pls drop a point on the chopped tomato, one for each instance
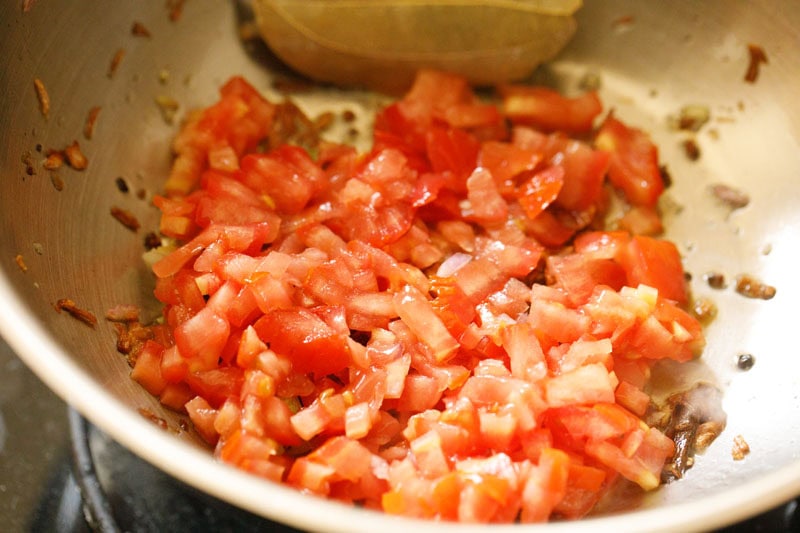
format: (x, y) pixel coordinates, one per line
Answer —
(656, 263)
(305, 338)
(550, 111)
(634, 162)
(541, 190)
(439, 327)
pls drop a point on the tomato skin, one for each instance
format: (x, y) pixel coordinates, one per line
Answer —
(549, 110)
(633, 164)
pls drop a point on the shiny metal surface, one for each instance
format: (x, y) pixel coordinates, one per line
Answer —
(650, 61)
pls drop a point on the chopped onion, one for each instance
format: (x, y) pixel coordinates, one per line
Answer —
(453, 264)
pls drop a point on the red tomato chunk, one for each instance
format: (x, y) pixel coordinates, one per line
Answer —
(429, 328)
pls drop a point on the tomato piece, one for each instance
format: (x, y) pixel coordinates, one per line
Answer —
(147, 369)
(230, 211)
(602, 244)
(436, 91)
(686, 329)
(552, 321)
(584, 174)
(506, 161)
(305, 338)
(588, 384)
(454, 151)
(202, 338)
(656, 263)
(536, 194)
(175, 396)
(545, 486)
(549, 230)
(632, 397)
(549, 110)
(202, 416)
(633, 164)
(416, 311)
(525, 354)
(216, 385)
(578, 275)
(631, 468)
(486, 205)
(642, 220)
(349, 459)
(286, 179)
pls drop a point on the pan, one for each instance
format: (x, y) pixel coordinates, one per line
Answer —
(138, 69)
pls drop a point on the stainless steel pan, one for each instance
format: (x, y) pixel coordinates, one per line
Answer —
(651, 58)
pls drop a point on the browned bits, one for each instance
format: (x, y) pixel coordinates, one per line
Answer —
(704, 309)
(623, 22)
(748, 286)
(57, 181)
(757, 56)
(688, 412)
(131, 336)
(123, 313)
(27, 5)
(715, 280)
(126, 218)
(44, 98)
(740, 448)
(65, 304)
(175, 9)
(75, 157)
(745, 361)
(692, 117)
(21, 262)
(149, 415)
(54, 160)
(27, 160)
(348, 115)
(291, 126)
(139, 30)
(324, 121)
(168, 107)
(691, 149)
(707, 432)
(121, 184)
(91, 121)
(115, 61)
(666, 177)
(731, 197)
(151, 240)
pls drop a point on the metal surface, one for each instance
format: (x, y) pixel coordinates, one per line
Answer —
(651, 62)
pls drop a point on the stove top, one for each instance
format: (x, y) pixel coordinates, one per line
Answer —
(58, 473)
